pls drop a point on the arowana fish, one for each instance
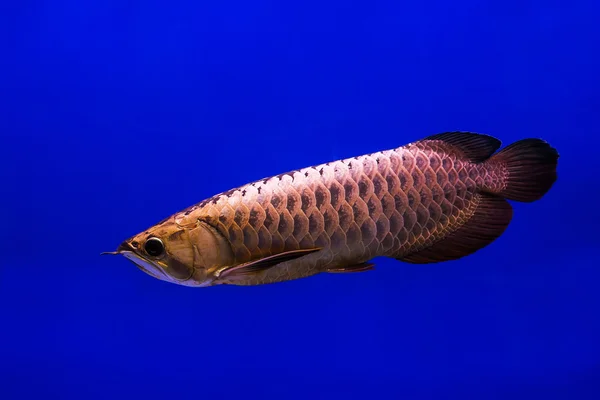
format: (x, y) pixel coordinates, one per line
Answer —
(437, 199)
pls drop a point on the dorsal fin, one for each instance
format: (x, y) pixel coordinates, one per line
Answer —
(476, 147)
(488, 222)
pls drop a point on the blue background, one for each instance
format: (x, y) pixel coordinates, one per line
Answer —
(114, 115)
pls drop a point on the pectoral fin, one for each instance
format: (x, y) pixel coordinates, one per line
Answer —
(263, 264)
(362, 267)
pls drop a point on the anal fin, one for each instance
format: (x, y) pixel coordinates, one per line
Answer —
(488, 222)
(362, 267)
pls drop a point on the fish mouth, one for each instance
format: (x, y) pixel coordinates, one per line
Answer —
(127, 250)
(123, 247)
(145, 265)
(156, 269)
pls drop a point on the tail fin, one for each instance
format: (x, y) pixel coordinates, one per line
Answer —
(531, 166)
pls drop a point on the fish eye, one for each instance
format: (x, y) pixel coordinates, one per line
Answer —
(154, 247)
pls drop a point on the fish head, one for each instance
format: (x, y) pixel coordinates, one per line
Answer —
(184, 255)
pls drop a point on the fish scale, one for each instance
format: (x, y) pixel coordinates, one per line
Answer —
(382, 204)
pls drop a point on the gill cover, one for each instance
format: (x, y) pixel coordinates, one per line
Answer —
(192, 253)
(187, 254)
(163, 254)
(211, 249)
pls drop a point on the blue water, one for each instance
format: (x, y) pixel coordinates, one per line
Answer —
(114, 115)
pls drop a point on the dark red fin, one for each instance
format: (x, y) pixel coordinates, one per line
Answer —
(263, 264)
(492, 216)
(474, 147)
(352, 268)
(531, 166)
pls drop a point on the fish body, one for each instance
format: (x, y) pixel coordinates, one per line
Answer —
(437, 199)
